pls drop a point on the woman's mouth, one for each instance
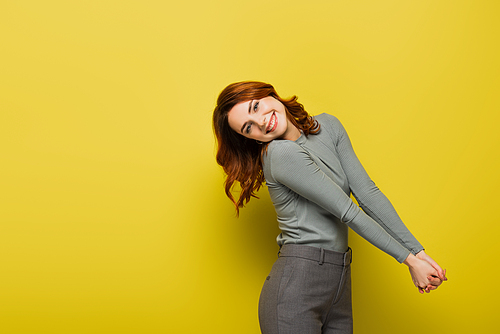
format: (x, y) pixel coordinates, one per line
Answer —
(273, 123)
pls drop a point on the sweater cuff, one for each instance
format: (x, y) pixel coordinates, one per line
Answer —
(417, 250)
(403, 257)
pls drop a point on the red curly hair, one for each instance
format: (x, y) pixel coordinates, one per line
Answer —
(240, 157)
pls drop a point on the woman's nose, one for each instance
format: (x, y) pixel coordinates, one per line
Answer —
(262, 121)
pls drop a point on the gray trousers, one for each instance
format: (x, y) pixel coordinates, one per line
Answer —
(307, 291)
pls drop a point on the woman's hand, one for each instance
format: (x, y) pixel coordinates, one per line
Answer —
(423, 274)
(441, 273)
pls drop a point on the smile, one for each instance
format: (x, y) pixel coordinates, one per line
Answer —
(273, 123)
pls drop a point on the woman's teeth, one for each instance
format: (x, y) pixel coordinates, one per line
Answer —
(272, 122)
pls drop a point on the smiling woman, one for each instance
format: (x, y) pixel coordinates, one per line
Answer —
(310, 169)
(242, 109)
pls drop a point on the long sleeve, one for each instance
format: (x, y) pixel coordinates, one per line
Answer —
(291, 166)
(369, 197)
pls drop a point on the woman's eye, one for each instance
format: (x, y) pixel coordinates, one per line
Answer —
(247, 130)
(255, 106)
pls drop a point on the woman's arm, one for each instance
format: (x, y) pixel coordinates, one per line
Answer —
(291, 166)
(369, 197)
(375, 203)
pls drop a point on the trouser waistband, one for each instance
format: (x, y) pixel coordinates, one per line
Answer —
(316, 254)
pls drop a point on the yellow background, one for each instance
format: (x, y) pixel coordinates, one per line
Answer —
(112, 213)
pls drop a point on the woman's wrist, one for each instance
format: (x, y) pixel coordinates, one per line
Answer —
(421, 255)
(410, 260)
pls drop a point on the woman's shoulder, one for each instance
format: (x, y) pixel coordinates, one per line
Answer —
(329, 124)
(277, 155)
(280, 150)
(327, 119)
(279, 146)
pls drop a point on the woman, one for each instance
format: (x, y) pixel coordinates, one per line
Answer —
(310, 169)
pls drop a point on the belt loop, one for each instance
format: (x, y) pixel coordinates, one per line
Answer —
(321, 256)
(348, 257)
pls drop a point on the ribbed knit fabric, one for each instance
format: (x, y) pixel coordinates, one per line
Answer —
(310, 181)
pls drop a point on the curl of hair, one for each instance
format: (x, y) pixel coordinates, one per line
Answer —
(240, 157)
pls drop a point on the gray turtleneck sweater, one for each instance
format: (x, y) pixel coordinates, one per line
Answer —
(310, 181)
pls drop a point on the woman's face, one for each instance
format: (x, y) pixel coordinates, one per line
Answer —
(263, 120)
